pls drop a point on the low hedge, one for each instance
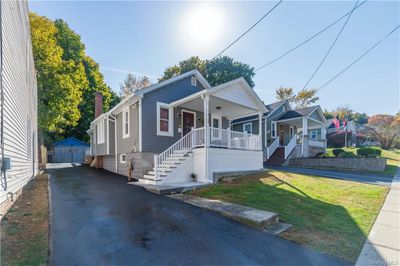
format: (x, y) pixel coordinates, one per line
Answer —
(371, 152)
(338, 151)
(347, 154)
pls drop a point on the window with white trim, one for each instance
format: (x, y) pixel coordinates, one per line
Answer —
(248, 128)
(193, 81)
(164, 120)
(125, 123)
(313, 134)
(122, 158)
(273, 129)
(100, 131)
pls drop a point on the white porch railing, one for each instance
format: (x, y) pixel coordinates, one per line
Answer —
(316, 143)
(234, 140)
(290, 146)
(220, 138)
(272, 148)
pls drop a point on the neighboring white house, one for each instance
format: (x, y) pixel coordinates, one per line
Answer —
(163, 132)
(18, 103)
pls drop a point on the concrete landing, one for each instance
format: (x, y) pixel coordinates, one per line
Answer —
(253, 217)
(173, 188)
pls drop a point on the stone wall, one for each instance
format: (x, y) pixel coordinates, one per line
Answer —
(364, 164)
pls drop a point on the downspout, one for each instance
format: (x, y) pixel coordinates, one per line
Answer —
(2, 170)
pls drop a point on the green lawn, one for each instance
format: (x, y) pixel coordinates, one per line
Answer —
(329, 215)
(393, 159)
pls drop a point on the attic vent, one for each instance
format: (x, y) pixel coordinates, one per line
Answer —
(194, 81)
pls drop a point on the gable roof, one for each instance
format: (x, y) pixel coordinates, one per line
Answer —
(272, 107)
(71, 141)
(299, 112)
(140, 93)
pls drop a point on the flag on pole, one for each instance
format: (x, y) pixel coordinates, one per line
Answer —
(336, 122)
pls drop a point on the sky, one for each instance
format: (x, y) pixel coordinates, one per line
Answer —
(144, 38)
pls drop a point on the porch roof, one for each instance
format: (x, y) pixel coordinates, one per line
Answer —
(232, 99)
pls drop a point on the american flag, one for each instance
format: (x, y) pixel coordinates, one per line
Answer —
(336, 122)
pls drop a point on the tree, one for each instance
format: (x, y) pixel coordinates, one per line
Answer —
(385, 128)
(132, 83)
(216, 71)
(184, 66)
(59, 81)
(67, 80)
(303, 98)
(224, 69)
(345, 112)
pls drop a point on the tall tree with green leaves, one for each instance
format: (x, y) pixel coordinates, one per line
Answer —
(67, 80)
(302, 99)
(216, 71)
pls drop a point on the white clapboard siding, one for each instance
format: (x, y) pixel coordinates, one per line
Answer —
(20, 98)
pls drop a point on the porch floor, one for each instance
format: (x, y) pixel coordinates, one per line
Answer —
(171, 188)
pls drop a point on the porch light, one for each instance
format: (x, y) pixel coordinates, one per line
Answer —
(218, 108)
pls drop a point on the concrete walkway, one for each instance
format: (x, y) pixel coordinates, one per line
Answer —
(383, 244)
(380, 180)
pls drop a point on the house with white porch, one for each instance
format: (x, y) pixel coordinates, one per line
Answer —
(179, 127)
(287, 133)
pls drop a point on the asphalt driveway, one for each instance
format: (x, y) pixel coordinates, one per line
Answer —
(96, 219)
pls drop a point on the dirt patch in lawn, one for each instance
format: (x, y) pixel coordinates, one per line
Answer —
(25, 228)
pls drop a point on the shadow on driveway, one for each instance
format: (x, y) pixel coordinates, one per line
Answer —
(99, 220)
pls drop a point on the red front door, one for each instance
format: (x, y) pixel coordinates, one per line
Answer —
(187, 122)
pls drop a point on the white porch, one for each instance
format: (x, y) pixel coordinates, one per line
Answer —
(297, 141)
(211, 148)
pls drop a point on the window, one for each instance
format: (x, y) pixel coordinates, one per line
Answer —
(313, 134)
(193, 81)
(125, 123)
(273, 129)
(216, 122)
(100, 131)
(248, 128)
(164, 120)
(122, 158)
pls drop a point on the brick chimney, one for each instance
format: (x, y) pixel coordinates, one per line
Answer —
(98, 104)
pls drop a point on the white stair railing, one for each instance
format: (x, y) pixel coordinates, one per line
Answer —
(192, 139)
(290, 146)
(272, 148)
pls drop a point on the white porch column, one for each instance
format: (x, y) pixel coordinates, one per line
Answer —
(260, 115)
(304, 134)
(206, 99)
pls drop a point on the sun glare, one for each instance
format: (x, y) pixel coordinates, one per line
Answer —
(203, 26)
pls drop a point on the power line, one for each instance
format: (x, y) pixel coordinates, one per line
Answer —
(229, 46)
(358, 58)
(309, 39)
(331, 47)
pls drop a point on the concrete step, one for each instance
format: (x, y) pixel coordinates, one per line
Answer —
(152, 177)
(253, 217)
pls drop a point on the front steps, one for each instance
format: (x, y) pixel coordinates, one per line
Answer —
(277, 158)
(166, 168)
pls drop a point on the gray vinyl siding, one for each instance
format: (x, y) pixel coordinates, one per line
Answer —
(131, 143)
(101, 149)
(319, 137)
(172, 92)
(315, 115)
(111, 138)
(20, 99)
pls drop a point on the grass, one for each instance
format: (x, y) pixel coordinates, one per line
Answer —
(329, 215)
(24, 229)
(392, 156)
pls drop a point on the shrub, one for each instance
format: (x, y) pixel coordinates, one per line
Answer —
(369, 152)
(336, 152)
(319, 154)
(346, 154)
(324, 155)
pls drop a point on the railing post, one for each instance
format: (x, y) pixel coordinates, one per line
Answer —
(155, 166)
(229, 138)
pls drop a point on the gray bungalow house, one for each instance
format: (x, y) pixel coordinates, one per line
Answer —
(163, 132)
(287, 133)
